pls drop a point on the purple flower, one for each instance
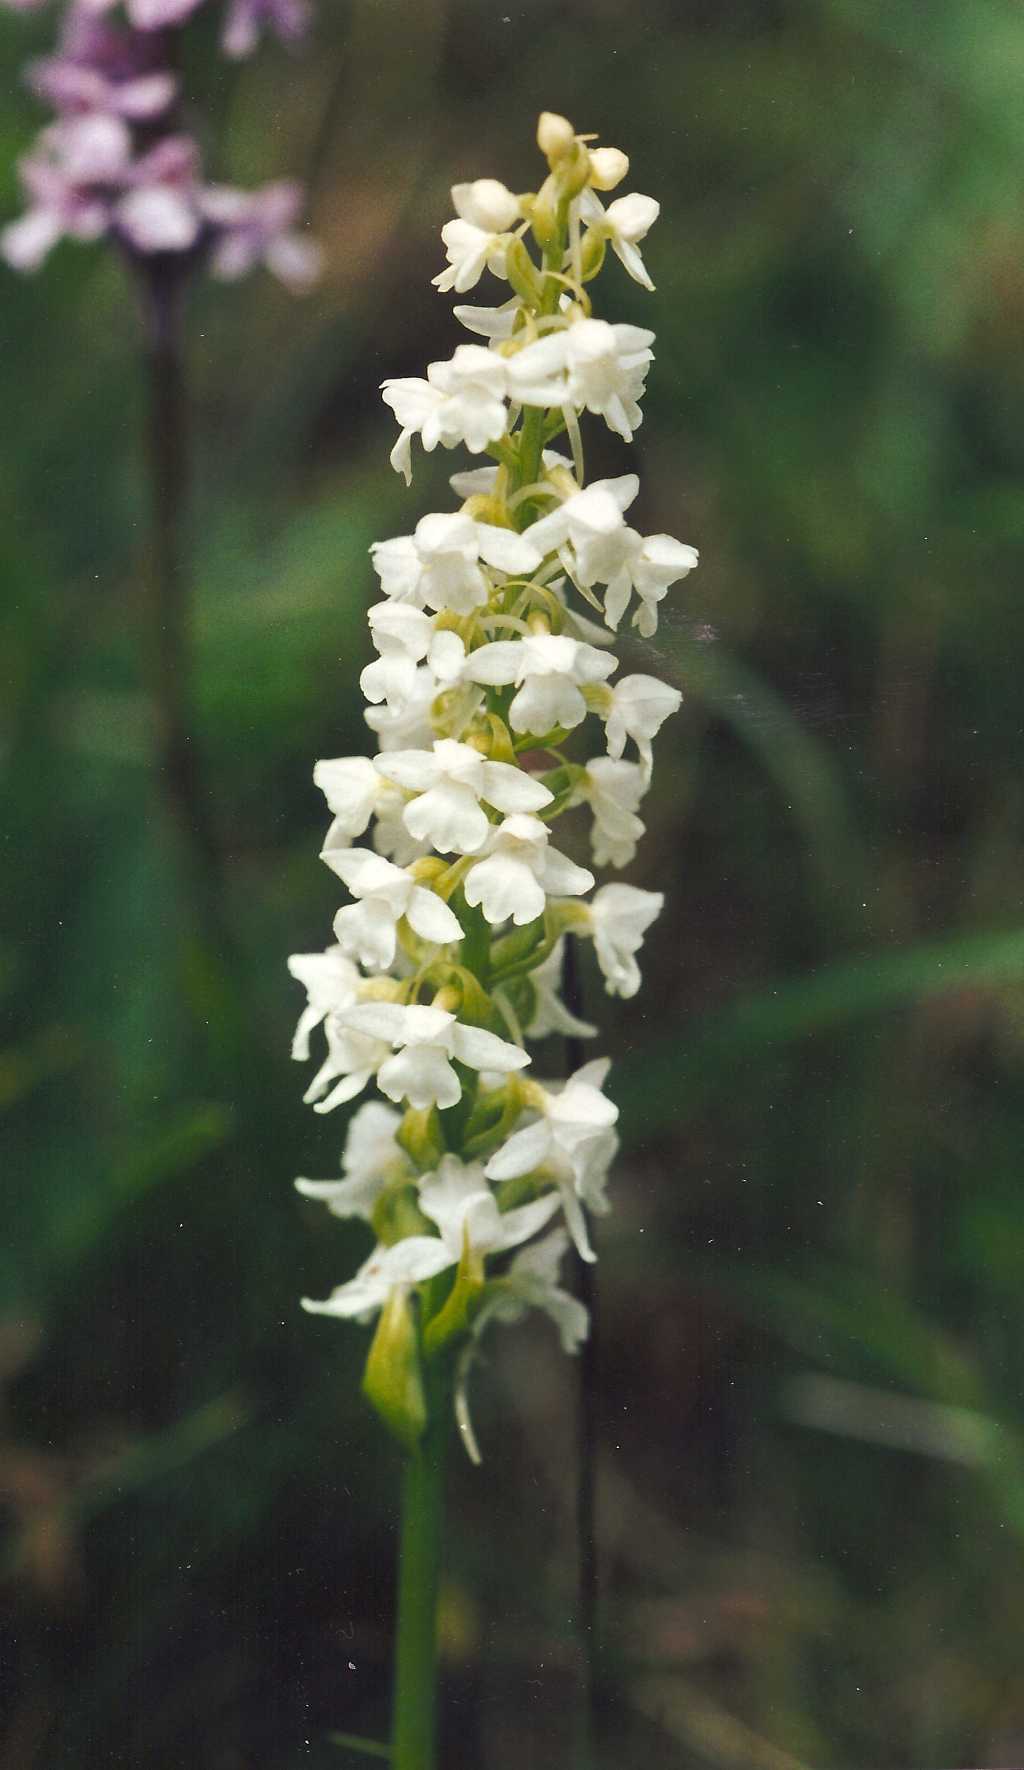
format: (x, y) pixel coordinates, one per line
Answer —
(147, 15)
(110, 166)
(99, 68)
(247, 19)
(160, 211)
(258, 227)
(69, 179)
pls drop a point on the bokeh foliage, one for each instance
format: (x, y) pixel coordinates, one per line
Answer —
(812, 1490)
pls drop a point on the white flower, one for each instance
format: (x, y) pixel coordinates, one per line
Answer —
(404, 636)
(439, 566)
(591, 364)
(607, 551)
(410, 726)
(569, 1137)
(407, 1262)
(623, 224)
(495, 323)
(476, 242)
(619, 917)
(550, 668)
(593, 521)
(639, 707)
(366, 929)
(390, 836)
(608, 167)
(449, 782)
(331, 981)
(458, 1199)
(656, 563)
(484, 479)
(371, 1162)
(425, 1040)
(532, 1283)
(461, 401)
(613, 790)
(351, 786)
(550, 1014)
(520, 871)
(352, 1058)
(355, 792)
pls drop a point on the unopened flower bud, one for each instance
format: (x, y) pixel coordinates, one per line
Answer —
(455, 1320)
(522, 273)
(487, 203)
(392, 1382)
(573, 171)
(592, 254)
(420, 1135)
(555, 136)
(608, 167)
(544, 213)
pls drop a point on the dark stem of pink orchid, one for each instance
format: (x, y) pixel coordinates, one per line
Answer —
(176, 752)
(587, 1595)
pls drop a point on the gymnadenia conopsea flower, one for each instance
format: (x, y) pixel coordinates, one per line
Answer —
(499, 709)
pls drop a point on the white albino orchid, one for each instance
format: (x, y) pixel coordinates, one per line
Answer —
(440, 566)
(549, 669)
(494, 636)
(614, 789)
(371, 1162)
(619, 917)
(366, 929)
(461, 401)
(639, 707)
(449, 782)
(623, 224)
(591, 364)
(520, 871)
(425, 1041)
(331, 981)
(476, 242)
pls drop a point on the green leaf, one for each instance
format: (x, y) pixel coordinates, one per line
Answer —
(355, 1743)
(667, 1081)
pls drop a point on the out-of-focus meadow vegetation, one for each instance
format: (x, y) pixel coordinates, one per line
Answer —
(812, 1477)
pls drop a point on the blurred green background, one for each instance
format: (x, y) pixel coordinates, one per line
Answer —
(811, 1488)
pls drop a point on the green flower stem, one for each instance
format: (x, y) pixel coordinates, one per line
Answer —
(414, 1726)
(532, 437)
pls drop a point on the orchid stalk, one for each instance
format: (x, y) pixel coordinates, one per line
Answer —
(494, 706)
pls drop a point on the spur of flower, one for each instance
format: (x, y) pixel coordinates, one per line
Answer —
(500, 708)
